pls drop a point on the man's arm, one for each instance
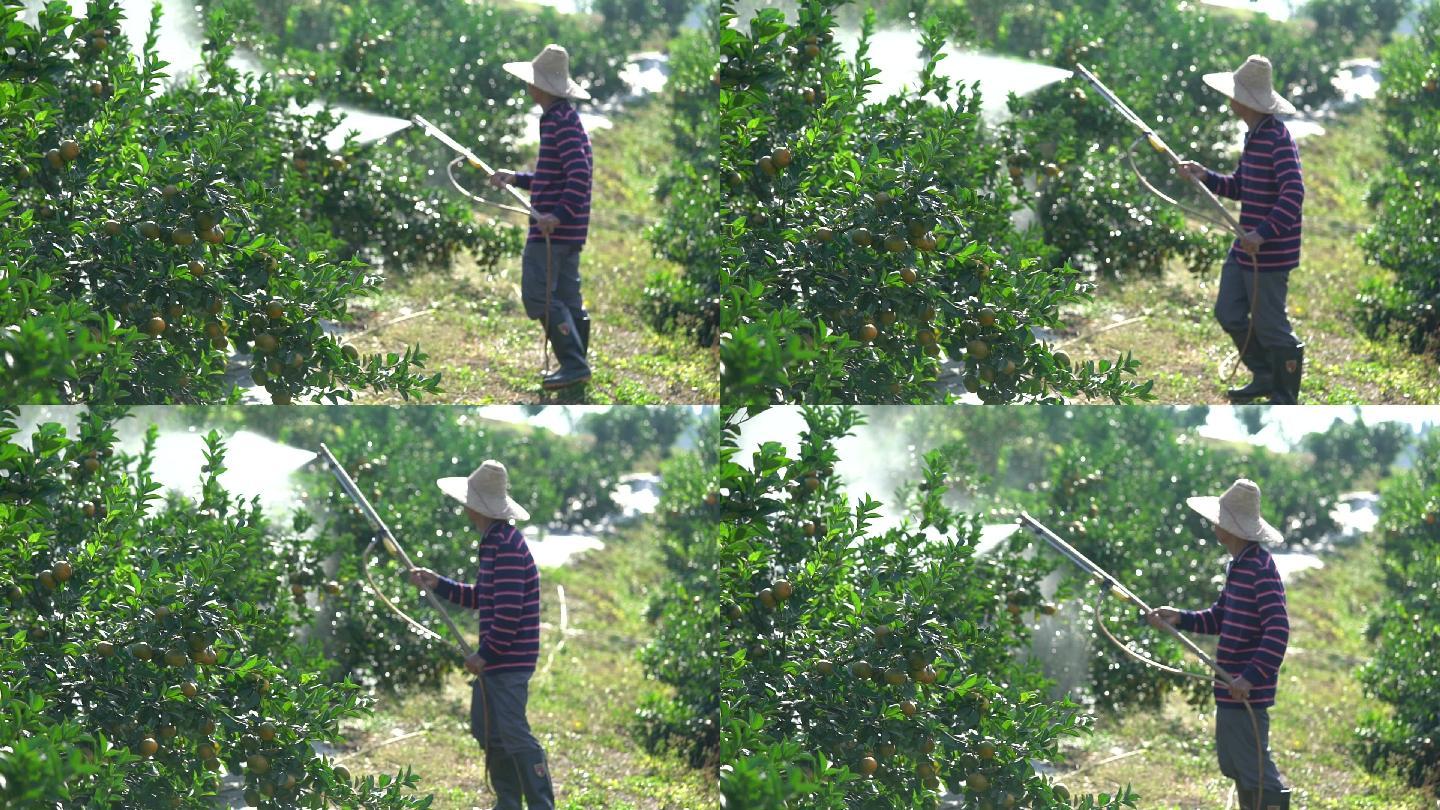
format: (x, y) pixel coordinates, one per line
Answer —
(1285, 160)
(1207, 621)
(458, 592)
(571, 142)
(1274, 628)
(509, 594)
(1224, 185)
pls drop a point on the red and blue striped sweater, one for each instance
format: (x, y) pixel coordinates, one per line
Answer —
(507, 594)
(1252, 623)
(1271, 191)
(560, 184)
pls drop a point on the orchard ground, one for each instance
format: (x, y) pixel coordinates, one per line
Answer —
(487, 351)
(1312, 726)
(1183, 350)
(581, 709)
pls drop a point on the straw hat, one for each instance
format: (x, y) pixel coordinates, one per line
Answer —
(486, 491)
(1252, 85)
(550, 71)
(1237, 512)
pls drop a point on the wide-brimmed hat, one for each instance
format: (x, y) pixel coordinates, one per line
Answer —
(1237, 512)
(550, 71)
(1252, 85)
(487, 491)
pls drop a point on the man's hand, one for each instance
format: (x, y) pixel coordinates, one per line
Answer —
(1192, 169)
(475, 665)
(1161, 616)
(1251, 242)
(546, 223)
(425, 578)
(1240, 689)
(502, 178)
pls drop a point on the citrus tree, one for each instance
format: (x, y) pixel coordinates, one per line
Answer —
(1406, 301)
(865, 239)
(163, 234)
(870, 666)
(1404, 673)
(684, 655)
(147, 642)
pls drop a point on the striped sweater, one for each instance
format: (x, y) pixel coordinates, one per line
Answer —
(507, 594)
(1271, 191)
(1252, 623)
(560, 184)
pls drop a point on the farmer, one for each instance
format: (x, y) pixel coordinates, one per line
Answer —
(1250, 305)
(560, 194)
(507, 594)
(1254, 628)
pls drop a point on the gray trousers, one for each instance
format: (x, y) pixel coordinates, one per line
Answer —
(1235, 747)
(566, 303)
(503, 705)
(1232, 305)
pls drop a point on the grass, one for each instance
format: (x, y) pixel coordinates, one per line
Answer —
(487, 351)
(1311, 726)
(1180, 346)
(581, 708)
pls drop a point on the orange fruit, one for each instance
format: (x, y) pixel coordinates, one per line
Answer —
(978, 349)
(182, 237)
(767, 166)
(215, 235)
(824, 235)
(861, 237)
(908, 708)
(868, 333)
(767, 598)
(780, 157)
(265, 342)
(112, 227)
(895, 243)
(63, 571)
(908, 274)
(782, 589)
(147, 747)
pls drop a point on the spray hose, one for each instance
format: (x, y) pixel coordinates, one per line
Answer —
(1111, 585)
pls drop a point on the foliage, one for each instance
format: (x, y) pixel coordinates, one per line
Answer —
(146, 642)
(865, 665)
(160, 229)
(1407, 194)
(686, 612)
(865, 238)
(626, 435)
(686, 234)
(1405, 672)
(1066, 139)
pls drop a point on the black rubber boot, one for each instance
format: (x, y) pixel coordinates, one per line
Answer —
(535, 776)
(509, 790)
(1258, 362)
(571, 354)
(1289, 364)
(582, 328)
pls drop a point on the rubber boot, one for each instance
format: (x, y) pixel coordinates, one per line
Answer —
(1288, 364)
(1258, 362)
(571, 354)
(535, 776)
(1246, 798)
(582, 328)
(509, 790)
